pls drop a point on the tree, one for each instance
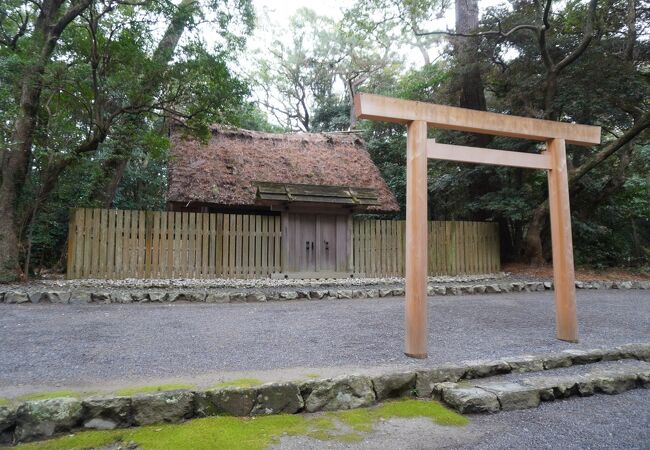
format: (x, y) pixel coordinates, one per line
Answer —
(90, 69)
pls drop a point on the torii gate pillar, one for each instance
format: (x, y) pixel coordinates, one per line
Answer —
(418, 116)
(416, 241)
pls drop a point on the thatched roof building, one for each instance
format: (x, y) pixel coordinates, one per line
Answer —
(239, 168)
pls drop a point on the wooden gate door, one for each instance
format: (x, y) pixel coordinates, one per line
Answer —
(305, 243)
(326, 244)
(317, 243)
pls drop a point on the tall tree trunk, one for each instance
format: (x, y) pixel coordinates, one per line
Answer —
(469, 85)
(471, 93)
(15, 158)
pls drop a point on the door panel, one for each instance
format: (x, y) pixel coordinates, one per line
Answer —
(303, 229)
(317, 242)
(326, 253)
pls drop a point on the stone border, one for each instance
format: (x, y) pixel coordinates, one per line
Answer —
(40, 419)
(205, 296)
(493, 396)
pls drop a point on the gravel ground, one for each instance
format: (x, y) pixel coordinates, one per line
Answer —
(598, 422)
(46, 346)
(264, 285)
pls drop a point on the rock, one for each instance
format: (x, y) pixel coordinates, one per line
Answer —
(394, 385)
(159, 297)
(579, 284)
(80, 298)
(345, 294)
(232, 401)
(636, 351)
(16, 297)
(548, 285)
(289, 295)
(44, 418)
(533, 287)
(385, 292)
(526, 363)
(372, 293)
(479, 289)
(467, 289)
(192, 297)
(317, 294)
(452, 290)
(7, 423)
(344, 392)
(470, 399)
(492, 289)
(163, 407)
(303, 294)
(554, 387)
(358, 293)
(277, 398)
(107, 413)
(100, 297)
(517, 287)
(584, 356)
(427, 379)
(543, 386)
(625, 285)
(237, 297)
(398, 292)
(513, 396)
(2, 297)
(49, 297)
(556, 360)
(140, 297)
(440, 290)
(613, 381)
(121, 297)
(429, 290)
(217, 297)
(255, 297)
(505, 287)
(485, 368)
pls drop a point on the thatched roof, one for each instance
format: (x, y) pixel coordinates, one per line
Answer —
(227, 169)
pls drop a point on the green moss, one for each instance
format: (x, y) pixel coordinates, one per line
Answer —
(126, 392)
(416, 408)
(255, 433)
(50, 394)
(4, 401)
(312, 375)
(239, 382)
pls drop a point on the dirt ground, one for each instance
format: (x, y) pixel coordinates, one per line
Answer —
(582, 274)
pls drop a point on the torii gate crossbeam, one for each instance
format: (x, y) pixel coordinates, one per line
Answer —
(418, 116)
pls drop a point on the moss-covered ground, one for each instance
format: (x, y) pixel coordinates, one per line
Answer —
(239, 382)
(235, 433)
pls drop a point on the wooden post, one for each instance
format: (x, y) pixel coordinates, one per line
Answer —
(563, 271)
(416, 240)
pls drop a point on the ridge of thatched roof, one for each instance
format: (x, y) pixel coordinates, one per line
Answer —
(225, 169)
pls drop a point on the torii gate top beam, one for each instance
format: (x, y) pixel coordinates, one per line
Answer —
(377, 107)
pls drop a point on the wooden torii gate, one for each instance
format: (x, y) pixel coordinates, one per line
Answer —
(418, 116)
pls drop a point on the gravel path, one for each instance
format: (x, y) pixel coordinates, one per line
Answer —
(79, 346)
(598, 422)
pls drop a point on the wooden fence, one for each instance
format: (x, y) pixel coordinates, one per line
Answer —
(137, 244)
(453, 247)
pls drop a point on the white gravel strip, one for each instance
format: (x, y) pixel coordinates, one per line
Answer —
(237, 283)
